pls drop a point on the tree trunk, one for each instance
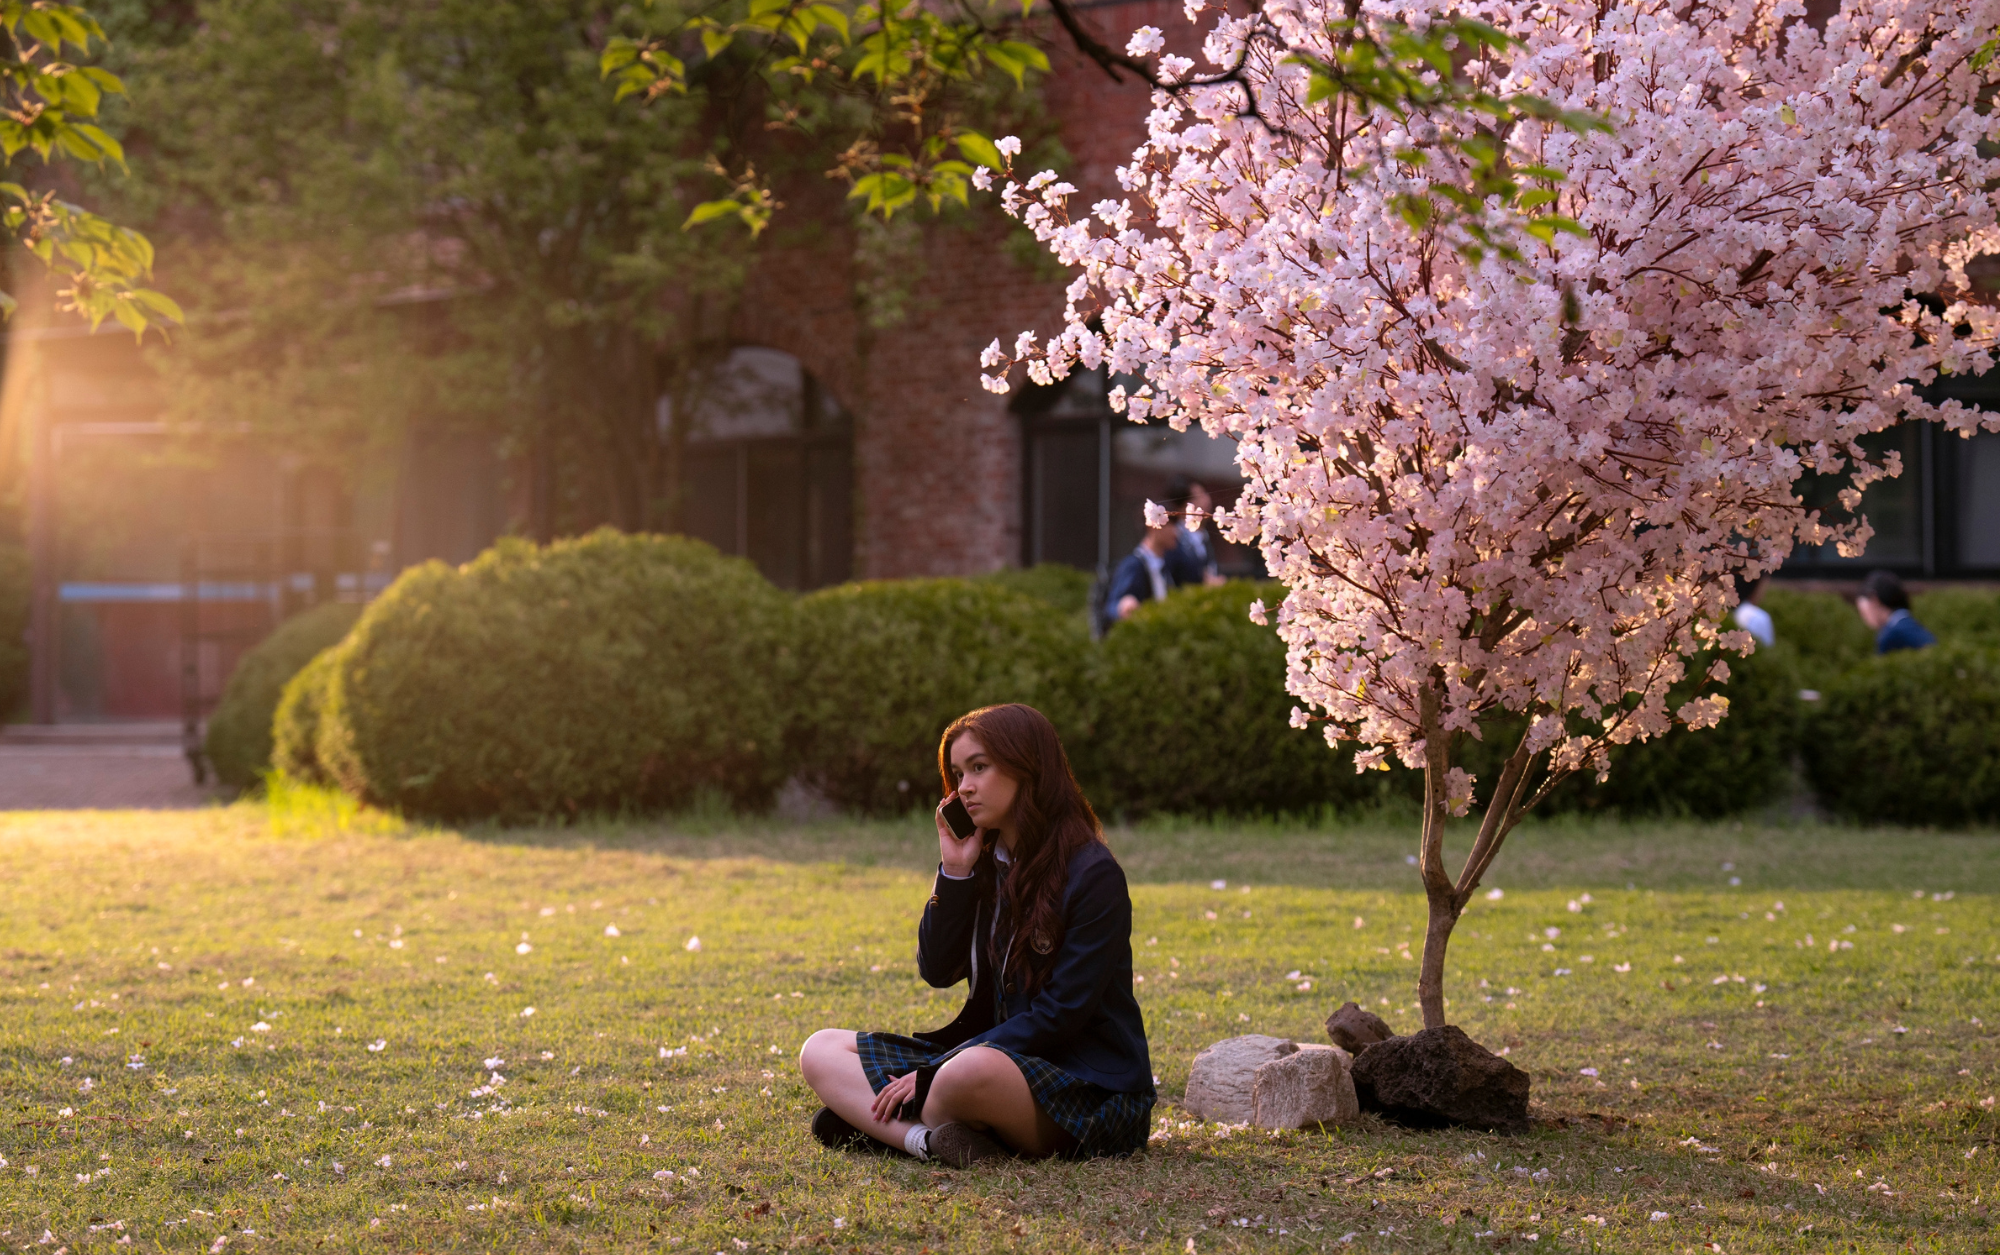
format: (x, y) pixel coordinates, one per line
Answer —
(1438, 888)
(1447, 899)
(1444, 911)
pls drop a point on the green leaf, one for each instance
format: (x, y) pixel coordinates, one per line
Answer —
(618, 53)
(1001, 60)
(107, 82)
(710, 210)
(159, 303)
(71, 30)
(1545, 228)
(886, 192)
(1534, 197)
(80, 95)
(128, 315)
(1027, 54)
(1473, 31)
(40, 26)
(980, 151)
(799, 30)
(831, 15)
(101, 140)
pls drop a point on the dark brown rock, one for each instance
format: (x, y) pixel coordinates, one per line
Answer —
(1354, 1029)
(1442, 1077)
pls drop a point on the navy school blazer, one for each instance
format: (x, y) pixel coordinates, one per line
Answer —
(1083, 1017)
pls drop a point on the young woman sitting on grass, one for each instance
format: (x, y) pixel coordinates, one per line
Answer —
(1049, 1054)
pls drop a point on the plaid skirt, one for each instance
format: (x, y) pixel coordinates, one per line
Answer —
(1103, 1121)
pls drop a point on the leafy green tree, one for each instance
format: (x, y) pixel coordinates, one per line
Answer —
(891, 78)
(895, 77)
(49, 107)
(394, 213)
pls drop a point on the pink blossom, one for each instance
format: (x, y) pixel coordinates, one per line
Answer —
(1144, 42)
(1527, 485)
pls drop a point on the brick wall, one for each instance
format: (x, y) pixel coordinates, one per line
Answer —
(937, 457)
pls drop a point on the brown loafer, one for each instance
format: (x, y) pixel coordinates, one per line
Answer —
(960, 1145)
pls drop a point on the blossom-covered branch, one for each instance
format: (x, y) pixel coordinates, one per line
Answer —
(1521, 479)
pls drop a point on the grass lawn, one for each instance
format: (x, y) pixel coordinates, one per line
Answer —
(277, 1028)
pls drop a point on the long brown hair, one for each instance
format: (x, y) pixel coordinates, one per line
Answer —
(1052, 821)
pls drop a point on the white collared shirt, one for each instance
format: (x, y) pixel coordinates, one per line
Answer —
(1156, 567)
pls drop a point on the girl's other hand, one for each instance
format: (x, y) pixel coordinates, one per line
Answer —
(958, 857)
(890, 1101)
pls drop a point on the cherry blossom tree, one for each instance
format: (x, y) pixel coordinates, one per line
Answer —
(1511, 463)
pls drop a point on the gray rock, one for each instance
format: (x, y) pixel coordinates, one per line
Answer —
(1442, 1077)
(1354, 1030)
(1219, 1086)
(1308, 1088)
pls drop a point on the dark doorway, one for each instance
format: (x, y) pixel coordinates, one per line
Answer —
(1088, 472)
(767, 468)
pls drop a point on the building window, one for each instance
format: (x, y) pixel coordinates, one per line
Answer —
(767, 467)
(1976, 487)
(1939, 519)
(1087, 474)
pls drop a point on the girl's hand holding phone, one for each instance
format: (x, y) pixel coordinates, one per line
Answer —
(959, 855)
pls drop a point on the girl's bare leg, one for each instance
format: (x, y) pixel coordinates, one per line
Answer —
(982, 1087)
(831, 1063)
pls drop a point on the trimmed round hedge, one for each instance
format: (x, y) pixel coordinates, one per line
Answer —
(885, 665)
(240, 731)
(1912, 737)
(1064, 587)
(610, 672)
(1193, 717)
(1824, 630)
(1740, 763)
(295, 728)
(1960, 615)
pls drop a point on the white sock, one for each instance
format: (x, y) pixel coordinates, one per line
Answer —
(918, 1142)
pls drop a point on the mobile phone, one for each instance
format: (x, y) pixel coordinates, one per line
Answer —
(959, 818)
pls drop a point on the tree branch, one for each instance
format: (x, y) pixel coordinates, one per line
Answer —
(1091, 46)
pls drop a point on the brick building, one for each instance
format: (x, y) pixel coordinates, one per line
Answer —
(949, 479)
(825, 450)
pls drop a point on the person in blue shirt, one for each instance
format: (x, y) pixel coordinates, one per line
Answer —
(1142, 576)
(1192, 560)
(1048, 1056)
(1885, 608)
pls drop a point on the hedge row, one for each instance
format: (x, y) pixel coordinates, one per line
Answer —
(617, 672)
(1913, 737)
(595, 674)
(884, 665)
(239, 733)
